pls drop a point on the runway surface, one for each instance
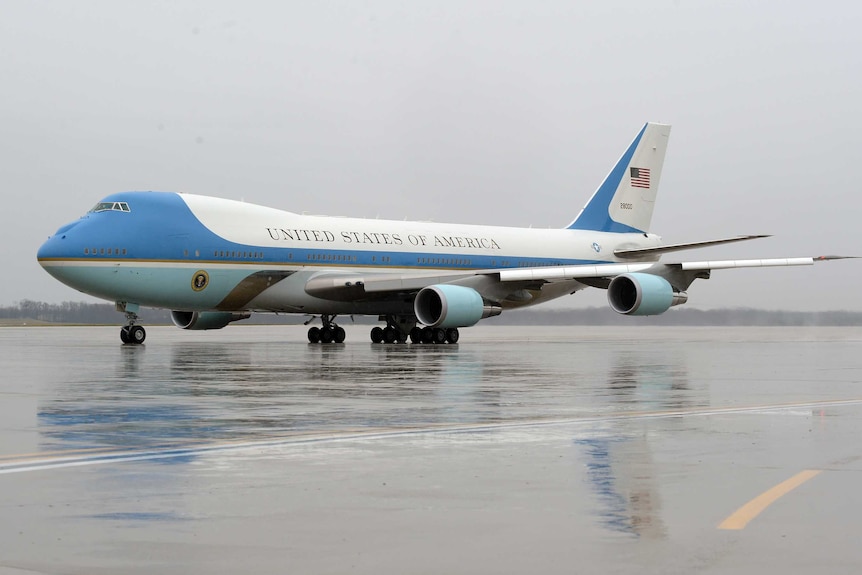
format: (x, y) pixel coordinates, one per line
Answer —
(540, 450)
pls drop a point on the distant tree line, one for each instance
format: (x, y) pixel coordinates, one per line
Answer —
(66, 312)
(679, 316)
(70, 312)
(76, 312)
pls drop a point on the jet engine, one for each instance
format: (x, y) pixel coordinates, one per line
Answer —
(642, 294)
(205, 319)
(446, 305)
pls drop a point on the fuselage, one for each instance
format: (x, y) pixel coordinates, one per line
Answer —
(189, 252)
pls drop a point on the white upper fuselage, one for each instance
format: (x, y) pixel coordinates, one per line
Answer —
(434, 245)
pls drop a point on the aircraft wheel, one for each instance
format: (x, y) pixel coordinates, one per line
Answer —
(376, 334)
(439, 335)
(339, 335)
(427, 334)
(326, 335)
(389, 335)
(416, 335)
(314, 335)
(124, 334)
(137, 334)
(452, 335)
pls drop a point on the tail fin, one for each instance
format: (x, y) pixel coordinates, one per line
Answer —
(625, 200)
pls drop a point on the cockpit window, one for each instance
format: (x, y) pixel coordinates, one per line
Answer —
(110, 207)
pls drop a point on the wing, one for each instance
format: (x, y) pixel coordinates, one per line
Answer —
(497, 284)
(680, 275)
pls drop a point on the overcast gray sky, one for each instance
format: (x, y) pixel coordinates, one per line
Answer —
(500, 112)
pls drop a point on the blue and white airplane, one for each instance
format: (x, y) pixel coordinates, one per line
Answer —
(215, 261)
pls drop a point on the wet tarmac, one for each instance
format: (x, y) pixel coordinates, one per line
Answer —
(519, 450)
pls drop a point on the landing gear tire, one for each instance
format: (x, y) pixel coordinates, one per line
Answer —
(389, 335)
(452, 335)
(376, 334)
(427, 335)
(416, 335)
(314, 334)
(326, 335)
(338, 334)
(134, 334)
(439, 336)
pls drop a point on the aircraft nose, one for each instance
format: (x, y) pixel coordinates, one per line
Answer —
(57, 247)
(48, 250)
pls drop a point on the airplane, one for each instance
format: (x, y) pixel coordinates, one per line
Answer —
(215, 261)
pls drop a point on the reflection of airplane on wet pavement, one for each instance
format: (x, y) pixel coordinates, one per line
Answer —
(216, 261)
(195, 393)
(618, 455)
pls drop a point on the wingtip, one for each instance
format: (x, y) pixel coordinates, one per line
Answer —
(829, 258)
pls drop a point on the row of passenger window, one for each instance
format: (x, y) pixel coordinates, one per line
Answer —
(444, 261)
(104, 251)
(234, 254)
(329, 257)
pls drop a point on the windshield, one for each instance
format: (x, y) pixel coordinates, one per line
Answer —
(110, 207)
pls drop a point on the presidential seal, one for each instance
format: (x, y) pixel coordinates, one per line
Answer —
(200, 280)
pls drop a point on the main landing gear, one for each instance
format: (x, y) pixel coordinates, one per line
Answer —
(131, 332)
(329, 333)
(398, 329)
(436, 335)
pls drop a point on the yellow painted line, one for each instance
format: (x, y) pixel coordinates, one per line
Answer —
(742, 516)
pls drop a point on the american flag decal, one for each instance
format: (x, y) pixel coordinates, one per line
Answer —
(640, 177)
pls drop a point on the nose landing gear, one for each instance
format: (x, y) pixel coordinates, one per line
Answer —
(134, 334)
(131, 332)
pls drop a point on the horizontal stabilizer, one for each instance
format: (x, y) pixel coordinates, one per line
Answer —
(638, 252)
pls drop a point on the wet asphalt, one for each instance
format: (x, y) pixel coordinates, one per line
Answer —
(520, 449)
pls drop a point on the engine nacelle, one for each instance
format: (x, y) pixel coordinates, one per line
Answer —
(205, 319)
(642, 294)
(445, 305)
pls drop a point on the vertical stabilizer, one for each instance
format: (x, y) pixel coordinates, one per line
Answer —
(625, 200)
